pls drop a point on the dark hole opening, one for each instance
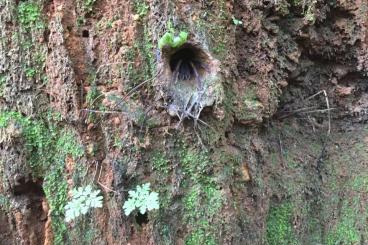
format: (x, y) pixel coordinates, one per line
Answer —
(141, 219)
(28, 187)
(85, 33)
(187, 63)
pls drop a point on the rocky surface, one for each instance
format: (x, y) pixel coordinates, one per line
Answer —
(271, 151)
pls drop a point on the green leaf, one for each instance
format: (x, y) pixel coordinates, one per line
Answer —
(180, 40)
(83, 199)
(236, 21)
(168, 39)
(141, 199)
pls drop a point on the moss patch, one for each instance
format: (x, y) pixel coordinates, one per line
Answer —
(203, 200)
(47, 145)
(279, 225)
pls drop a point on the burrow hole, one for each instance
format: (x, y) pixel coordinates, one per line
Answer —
(188, 62)
(141, 219)
(85, 33)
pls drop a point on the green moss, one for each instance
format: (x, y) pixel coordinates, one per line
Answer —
(201, 204)
(39, 139)
(56, 188)
(32, 24)
(160, 163)
(88, 6)
(351, 222)
(345, 231)
(29, 15)
(143, 49)
(47, 147)
(203, 200)
(67, 144)
(200, 236)
(213, 24)
(279, 225)
(140, 7)
(4, 203)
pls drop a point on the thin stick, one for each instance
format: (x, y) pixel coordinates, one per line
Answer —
(107, 188)
(102, 112)
(322, 110)
(327, 105)
(328, 112)
(314, 95)
(96, 170)
(138, 86)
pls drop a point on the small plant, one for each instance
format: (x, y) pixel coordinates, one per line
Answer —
(30, 72)
(29, 14)
(237, 22)
(83, 199)
(88, 5)
(169, 39)
(142, 199)
(141, 8)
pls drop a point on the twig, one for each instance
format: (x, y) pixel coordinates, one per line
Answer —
(96, 170)
(324, 110)
(328, 113)
(107, 188)
(99, 96)
(139, 85)
(314, 95)
(102, 112)
(321, 110)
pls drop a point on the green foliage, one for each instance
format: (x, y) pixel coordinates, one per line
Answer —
(169, 39)
(91, 99)
(195, 164)
(200, 236)
(92, 95)
(30, 72)
(46, 149)
(142, 198)
(279, 225)
(160, 163)
(203, 200)
(66, 144)
(4, 203)
(344, 233)
(83, 199)
(39, 139)
(56, 188)
(141, 8)
(237, 22)
(88, 6)
(29, 15)
(348, 227)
